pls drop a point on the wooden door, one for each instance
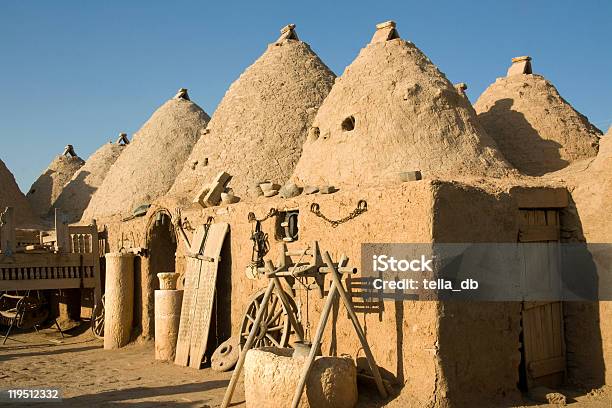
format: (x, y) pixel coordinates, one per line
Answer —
(542, 321)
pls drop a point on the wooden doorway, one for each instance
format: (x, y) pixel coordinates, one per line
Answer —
(543, 342)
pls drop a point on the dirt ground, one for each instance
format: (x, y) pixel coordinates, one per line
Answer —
(90, 376)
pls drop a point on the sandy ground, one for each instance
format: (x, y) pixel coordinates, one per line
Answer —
(90, 376)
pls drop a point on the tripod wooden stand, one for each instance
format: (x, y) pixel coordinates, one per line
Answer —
(336, 288)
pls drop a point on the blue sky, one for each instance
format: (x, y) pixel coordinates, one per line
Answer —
(80, 72)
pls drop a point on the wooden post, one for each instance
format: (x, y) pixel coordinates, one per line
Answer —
(283, 297)
(360, 333)
(62, 243)
(329, 302)
(7, 231)
(227, 399)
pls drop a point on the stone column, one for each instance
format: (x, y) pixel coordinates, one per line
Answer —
(119, 299)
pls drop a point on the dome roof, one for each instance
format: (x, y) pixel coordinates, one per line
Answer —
(11, 196)
(45, 190)
(258, 129)
(392, 111)
(149, 165)
(76, 195)
(535, 128)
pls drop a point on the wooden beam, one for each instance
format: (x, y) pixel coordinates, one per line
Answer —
(540, 197)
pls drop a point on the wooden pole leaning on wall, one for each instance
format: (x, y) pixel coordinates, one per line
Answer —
(314, 347)
(274, 282)
(336, 287)
(227, 399)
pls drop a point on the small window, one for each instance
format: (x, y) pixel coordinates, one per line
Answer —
(348, 124)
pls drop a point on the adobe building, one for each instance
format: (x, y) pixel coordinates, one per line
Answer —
(390, 115)
(535, 128)
(76, 194)
(11, 196)
(393, 111)
(150, 163)
(432, 351)
(258, 129)
(45, 190)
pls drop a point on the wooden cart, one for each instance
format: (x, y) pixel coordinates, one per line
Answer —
(64, 258)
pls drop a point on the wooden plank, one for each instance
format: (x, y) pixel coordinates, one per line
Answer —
(206, 293)
(48, 259)
(540, 197)
(539, 233)
(61, 231)
(82, 229)
(192, 279)
(192, 275)
(41, 284)
(546, 367)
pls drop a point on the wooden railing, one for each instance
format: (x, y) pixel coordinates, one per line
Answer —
(67, 257)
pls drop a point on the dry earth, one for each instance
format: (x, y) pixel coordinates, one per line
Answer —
(90, 376)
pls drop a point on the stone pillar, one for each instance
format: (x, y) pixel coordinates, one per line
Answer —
(167, 318)
(119, 299)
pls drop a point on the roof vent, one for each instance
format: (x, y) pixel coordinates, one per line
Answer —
(182, 94)
(384, 32)
(520, 66)
(123, 140)
(69, 151)
(288, 33)
(461, 87)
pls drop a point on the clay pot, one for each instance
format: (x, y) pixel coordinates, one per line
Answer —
(167, 280)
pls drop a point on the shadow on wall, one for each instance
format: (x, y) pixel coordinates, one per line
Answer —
(519, 142)
(584, 348)
(39, 195)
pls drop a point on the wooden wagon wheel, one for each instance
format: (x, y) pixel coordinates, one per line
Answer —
(274, 329)
(97, 319)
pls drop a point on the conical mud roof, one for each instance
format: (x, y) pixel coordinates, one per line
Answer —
(534, 127)
(258, 129)
(49, 185)
(149, 165)
(11, 196)
(76, 195)
(392, 111)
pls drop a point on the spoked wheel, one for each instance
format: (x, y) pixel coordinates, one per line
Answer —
(274, 329)
(97, 319)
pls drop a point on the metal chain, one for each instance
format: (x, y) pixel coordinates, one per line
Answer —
(271, 213)
(362, 206)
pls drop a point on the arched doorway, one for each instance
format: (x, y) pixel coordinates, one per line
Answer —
(161, 257)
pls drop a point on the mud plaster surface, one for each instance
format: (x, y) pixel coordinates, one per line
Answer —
(77, 193)
(590, 184)
(406, 337)
(150, 163)
(258, 129)
(535, 128)
(45, 190)
(407, 116)
(11, 196)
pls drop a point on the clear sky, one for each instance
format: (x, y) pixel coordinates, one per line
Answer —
(80, 72)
